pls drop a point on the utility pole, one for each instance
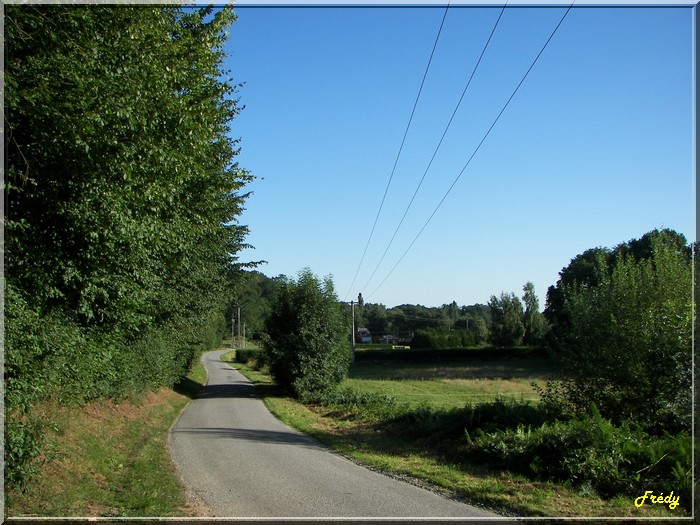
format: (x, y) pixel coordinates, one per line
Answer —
(352, 356)
(239, 323)
(236, 314)
(243, 335)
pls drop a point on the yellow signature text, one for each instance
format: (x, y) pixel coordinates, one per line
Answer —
(670, 500)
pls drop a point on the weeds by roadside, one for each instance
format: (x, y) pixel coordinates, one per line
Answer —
(109, 459)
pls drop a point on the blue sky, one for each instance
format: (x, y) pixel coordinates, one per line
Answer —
(595, 148)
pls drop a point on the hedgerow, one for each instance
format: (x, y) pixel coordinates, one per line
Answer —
(122, 204)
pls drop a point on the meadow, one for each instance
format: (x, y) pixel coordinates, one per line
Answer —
(452, 383)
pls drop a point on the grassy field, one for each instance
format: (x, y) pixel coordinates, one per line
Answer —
(452, 384)
(110, 459)
(380, 438)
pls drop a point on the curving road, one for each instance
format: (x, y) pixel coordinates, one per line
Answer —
(243, 462)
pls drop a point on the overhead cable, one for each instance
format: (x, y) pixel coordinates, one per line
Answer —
(475, 150)
(437, 148)
(396, 161)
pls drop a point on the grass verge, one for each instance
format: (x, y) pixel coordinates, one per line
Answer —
(110, 459)
(371, 441)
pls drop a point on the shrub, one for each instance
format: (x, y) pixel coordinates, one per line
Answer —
(473, 418)
(627, 345)
(249, 355)
(590, 452)
(308, 345)
(348, 397)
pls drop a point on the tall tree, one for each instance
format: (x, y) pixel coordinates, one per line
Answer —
(122, 188)
(533, 320)
(123, 199)
(506, 320)
(627, 347)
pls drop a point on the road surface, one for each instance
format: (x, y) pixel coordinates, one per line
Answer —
(243, 462)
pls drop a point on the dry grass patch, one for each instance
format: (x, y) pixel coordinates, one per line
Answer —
(107, 459)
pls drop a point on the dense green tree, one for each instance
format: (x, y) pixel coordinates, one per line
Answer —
(627, 343)
(481, 331)
(376, 318)
(442, 338)
(533, 320)
(506, 320)
(256, 293)
(360, 317)
(123, 198)
(307, 342)
(120, 173)
(584, 269)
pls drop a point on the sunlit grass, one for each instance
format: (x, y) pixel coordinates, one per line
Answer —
(452, 384)
(110, 459)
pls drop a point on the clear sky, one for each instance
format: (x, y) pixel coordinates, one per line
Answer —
(595, 148)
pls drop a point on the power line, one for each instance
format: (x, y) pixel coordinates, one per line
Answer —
(475, 150)
(437, 148)
(396, 161)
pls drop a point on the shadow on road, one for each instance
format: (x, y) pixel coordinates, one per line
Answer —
(236, 390)
(274, 437)
(186, 387)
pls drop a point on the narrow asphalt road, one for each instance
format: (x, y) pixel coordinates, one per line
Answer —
(243, 462)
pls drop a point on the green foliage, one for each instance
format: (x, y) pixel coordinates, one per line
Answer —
(256, 292)
(250, 356)
(307, 343)
(349, 398)
(478, 419)
(122, 203)
(533, 321)
(591, 452)
(481, 330)
(627, 343)
(447, 355)
(441, 338)
(506, 320)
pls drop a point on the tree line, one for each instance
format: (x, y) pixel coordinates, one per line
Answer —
(504, 322)
(122, 202)
(618, 323)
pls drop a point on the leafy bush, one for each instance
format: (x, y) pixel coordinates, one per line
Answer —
(447, 354)
(51, 356)
(307, 343)
(478, 418)
(627, 343)
(247, 355)
(590, 451)
(507, 327)
(121, 219)
(347, 397)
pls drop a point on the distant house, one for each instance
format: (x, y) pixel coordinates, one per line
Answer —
(362, 335)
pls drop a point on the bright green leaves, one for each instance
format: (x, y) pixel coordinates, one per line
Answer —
(626, 345)
(120, 118)
(506, 320)
(307, 345)
(123, 197)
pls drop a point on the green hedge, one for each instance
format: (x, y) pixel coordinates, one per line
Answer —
(52, 357)
(247, 354)
(449, 354)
